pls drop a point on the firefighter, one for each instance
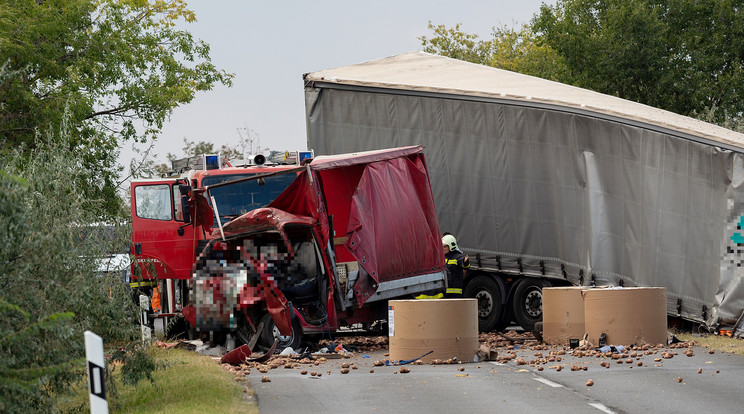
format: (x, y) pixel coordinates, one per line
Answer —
(457, 263)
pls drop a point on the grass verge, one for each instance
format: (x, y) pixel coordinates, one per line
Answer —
(190, 383)
(717, 342)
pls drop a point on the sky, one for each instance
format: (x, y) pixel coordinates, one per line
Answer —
(269, 45)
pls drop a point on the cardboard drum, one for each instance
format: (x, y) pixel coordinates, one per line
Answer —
(448, 327)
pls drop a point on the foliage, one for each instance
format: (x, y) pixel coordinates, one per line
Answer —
(28, 378)
(517, 50)
(78, 78)
(188, 383)
(454, 43)
(192, 149)
(150, 168)
(680, 55)
(54, 280)
(113, 69)
(716, 115)
(136, 363)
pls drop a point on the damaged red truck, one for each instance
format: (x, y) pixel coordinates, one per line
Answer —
(348, 233)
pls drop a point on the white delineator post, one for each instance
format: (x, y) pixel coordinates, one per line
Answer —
(145, 305)
(96, 373)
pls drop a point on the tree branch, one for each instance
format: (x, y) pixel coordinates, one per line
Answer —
(113, 111)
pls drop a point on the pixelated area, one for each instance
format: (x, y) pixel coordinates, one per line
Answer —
(231, 276)
(733, 257)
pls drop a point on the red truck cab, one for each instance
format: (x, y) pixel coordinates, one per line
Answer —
(349, 233)
(170, 226)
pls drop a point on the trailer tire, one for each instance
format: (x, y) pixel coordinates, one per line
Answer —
(527, 302)
(270, 332)
(490, 301)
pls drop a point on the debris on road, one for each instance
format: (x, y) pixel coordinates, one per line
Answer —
(358, 343)
(509, 348)
(237, 356)
(486, 353)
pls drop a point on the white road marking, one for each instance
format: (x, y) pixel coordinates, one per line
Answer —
(549, 382)
(601, 407)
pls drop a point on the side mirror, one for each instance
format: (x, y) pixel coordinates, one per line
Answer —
(185, 208)
(184, 190)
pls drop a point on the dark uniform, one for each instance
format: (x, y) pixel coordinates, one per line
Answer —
(456, 263)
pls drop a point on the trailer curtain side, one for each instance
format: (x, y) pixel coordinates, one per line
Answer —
(558, 191)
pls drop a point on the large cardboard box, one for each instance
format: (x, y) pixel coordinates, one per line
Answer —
(626, 315)
(448, 327)
(563, 314)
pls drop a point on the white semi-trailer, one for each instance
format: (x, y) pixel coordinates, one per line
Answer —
(546, 184)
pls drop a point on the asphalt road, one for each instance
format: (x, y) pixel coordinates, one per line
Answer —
(489, 387)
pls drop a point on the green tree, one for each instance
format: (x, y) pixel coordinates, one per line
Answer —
(196, 148)
(517, 50)
(55, 279)
(113, 69)
(681, 55)
(28, 364)
(453, 42)
(149, 167)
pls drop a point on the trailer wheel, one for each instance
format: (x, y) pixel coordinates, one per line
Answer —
(270, 332)
(527, 302)
(488, 294)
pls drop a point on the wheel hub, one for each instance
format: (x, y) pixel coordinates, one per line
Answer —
(283, 339)
(533, 303)
(485, 303)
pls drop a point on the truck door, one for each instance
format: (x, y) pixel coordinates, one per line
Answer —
(162, 242)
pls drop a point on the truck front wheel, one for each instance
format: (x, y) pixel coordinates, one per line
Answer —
(527, 302)
(488, 294)
(270, 332)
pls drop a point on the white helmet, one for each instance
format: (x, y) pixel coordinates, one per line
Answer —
(449, 241)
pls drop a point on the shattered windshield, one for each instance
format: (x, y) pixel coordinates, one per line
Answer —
(237, 199)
